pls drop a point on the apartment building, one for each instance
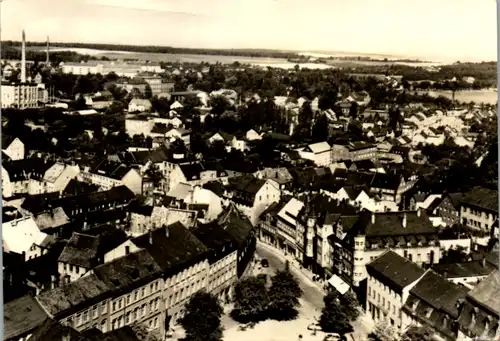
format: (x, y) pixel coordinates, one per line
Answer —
(479, 209)
(107, 175)
(410, 234)
(390, 279)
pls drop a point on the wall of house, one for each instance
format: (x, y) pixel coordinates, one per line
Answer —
(104, 182)
(448, 212)
(120, 251)
(15, 150)
(139, 224)
(452, 244)
(96, 315)
(174, 175)
(477, 218)
(264, 197)
(133, 181)
(69, 173)
(222, 276)
(7, 190)
(72, 271)
(138, 127)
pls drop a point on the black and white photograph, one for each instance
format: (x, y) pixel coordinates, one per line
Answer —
(249, 170)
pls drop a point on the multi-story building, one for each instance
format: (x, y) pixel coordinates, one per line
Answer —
(479, 209)
(320, 153)
(390, 279)
(149, 286)
(223, 258)
(252, 196)
(449, 208)
(362, 151)
(23, 238)
(480, 310)
(410, 234)
(112, 174)
(23, 95)
(434, 302)
(154, 82)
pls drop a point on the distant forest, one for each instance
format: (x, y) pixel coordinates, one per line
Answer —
(167, 49)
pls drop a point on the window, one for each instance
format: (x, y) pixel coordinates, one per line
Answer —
(127, 318)
(77, 269)
(103, 307)
(104, 326)
(113, 309)
(78, 321)
(143, 292)
(135, 295)
(128, 299)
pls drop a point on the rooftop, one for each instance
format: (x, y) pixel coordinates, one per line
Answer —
(486, 292)
(466, 269)
(394, 270)
(483, 198)
(22, 316)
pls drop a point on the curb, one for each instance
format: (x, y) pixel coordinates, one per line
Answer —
(279, 254)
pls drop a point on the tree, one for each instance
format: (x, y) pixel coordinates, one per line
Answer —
(305, 121)
(148, 92)
(251, 299)
(202, 318)
(334, 317)
(284, 295)
(384, 332)
(418, 333)
(320, 129)
(353, 110)
(219, 105)
(143, 334)
(351, 305)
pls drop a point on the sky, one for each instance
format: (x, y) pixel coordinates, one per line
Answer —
(434, 29)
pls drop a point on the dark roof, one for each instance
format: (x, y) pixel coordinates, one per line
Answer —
(391, 224)
(483, 198)
(22, 316)
(144, 210)
(394, 270)
(191, 170)
(157, 155)
(455, 199)
(114, 170)
(171, 251)
(246, 183)
(52, 330)
(465, 269)
(385, 181)
(486, 292)
(22, 169)
(123, 272)
(75, 187)
(125, 333)
(439, 293)
(81, 250)
(237, 225)
(215, 186)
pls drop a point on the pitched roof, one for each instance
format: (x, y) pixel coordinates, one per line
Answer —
(52, 330)
(391, 224)
(319, 147)
(21, 169)
(19, 235)
(439, 293)
(482, 197)
(114, 170)
(394, 270)
(237, 225)
(172, 246)
(465, 269)
(157, 155)
(81, 250)
(214, 236)
(22, 316)
(191, 170)
(53, 218)
(246, 183)
(125, 271)
(486, 292)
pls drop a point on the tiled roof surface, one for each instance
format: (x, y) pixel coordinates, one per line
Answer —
(22, 316)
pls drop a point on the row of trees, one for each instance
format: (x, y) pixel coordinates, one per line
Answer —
(255, 300)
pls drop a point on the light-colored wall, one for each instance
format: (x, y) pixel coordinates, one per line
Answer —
(74, 272)
(477, 219)
(15, 150)
(133, 181)
(264, 197)
(120, 251)
(223, 274)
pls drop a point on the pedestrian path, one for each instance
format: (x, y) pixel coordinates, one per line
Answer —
(294, 266)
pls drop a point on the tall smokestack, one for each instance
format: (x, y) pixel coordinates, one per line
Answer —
(47, 58)
(23, 59)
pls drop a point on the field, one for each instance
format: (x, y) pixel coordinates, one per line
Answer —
(194, 58)
(487, 96)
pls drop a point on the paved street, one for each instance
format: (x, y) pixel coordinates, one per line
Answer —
(310, 310)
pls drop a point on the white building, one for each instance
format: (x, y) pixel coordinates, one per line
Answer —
(23, 237)
(14, 148)
(320, 153)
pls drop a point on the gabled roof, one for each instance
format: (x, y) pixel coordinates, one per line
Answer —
(486, 292)
(246, 183)
(22, 316)
(19, 235)
(473, 268)
(52, 218)
(319, 147)
(391, 224)
(482, 197)
(394, 270)
(157, 155)
(81, 250)
(114, 170)
(439, 293)
(172, 246)
(191, 170)
(237, 225)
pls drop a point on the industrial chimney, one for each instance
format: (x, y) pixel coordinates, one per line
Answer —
(23, 59)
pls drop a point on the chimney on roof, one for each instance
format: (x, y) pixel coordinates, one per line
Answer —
(150, 237)
(404, 220)
(373, 218)
(167, 231)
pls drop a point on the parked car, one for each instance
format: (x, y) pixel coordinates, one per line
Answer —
(264, 263)
(314, 326)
